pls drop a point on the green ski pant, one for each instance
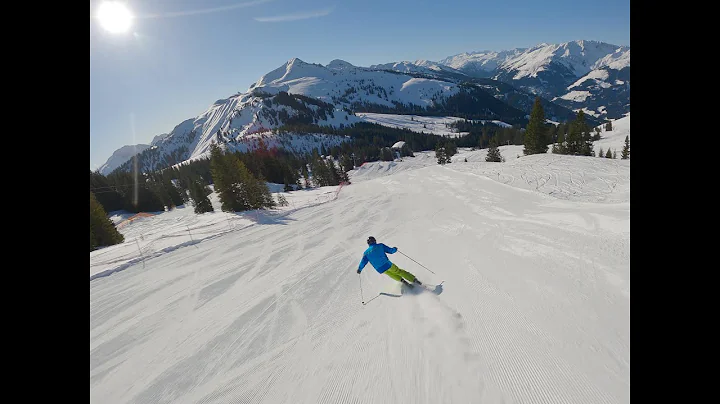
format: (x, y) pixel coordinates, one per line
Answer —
(397, 274)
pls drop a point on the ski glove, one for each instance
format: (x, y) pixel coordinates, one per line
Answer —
(358, 271)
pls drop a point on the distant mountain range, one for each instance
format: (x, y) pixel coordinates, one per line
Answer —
(579, 74)
(498, 86)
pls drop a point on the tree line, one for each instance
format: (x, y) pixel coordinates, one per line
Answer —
(573, 138)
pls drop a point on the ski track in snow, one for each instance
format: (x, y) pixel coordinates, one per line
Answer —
(534, 306)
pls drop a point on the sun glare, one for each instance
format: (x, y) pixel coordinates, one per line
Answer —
(114, 16)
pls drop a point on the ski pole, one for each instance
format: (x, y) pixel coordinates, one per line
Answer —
(416, 262)
(362, 299)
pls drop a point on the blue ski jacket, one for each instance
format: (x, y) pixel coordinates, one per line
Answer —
(375, 255)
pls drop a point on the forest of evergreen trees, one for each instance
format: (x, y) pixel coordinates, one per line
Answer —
(574, 138)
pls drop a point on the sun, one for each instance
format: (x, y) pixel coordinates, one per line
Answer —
(114, 16)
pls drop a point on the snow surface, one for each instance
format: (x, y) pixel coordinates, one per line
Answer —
(265, 307)
(597, 75)
(616, 60)
(166, 231)
(614, 139)
(433, 124)
(578, 96)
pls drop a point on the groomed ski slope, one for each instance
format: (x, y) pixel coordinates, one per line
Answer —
(534, 308)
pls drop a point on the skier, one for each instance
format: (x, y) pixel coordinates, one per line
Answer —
(375, 255)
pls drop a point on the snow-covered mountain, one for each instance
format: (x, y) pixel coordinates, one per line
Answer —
(121, 156)
(480, 64)
(300, 93)
(500, 86)
(578, 74)
(425, 67)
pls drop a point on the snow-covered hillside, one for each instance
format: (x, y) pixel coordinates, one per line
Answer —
(532, 259)
(614, 139)
(577, 74)
(343, 84)
(437, 125)
(424, 67)
(578, 57)
(483, 63)
(304, 93)
(121, 156)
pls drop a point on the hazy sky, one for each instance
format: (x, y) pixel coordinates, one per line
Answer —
(179, 56)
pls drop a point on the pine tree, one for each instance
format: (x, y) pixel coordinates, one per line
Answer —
(440, 155)
(320, 173)
(560, 147)
(199, 197)
(183, 187)
(494, 153)
(608, 126)
(626, 149)
(235, 185)
(102, 229)
(108, 197)
(226, 180)
(450, 150)
(535, 139)
(405, 150)
(259, 193)
(579, 141)
(600, 154)
(281, 200)
(386, 154)
(597, 136)
(306, 176)
(146, 201)
(550, 134)
(608, 155)
(587, 144)
(614, 155)
(333, 170)
(484, 139)
(346, 163)
(340, 173)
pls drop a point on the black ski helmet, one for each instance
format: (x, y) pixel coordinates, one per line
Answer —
(371, 240)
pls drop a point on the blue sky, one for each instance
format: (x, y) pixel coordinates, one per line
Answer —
(182, 55)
